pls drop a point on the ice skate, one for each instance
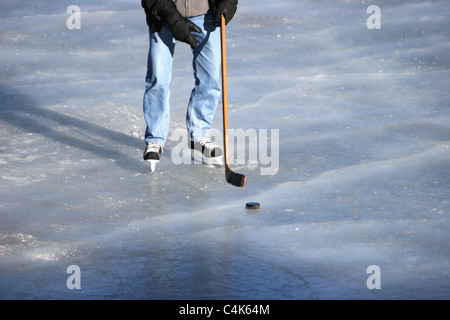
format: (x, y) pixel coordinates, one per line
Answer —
(206, 152)
(152, 154)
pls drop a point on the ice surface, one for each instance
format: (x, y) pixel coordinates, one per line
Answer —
(363, 176)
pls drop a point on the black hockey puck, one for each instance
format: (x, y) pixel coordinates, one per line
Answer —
(252, 205)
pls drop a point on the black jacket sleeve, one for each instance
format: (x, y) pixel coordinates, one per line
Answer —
(157, 11)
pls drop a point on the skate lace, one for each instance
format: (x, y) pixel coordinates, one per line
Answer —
(207, 143)
(153, 147)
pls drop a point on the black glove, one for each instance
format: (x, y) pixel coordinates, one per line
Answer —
(224, 7)
(181, 27)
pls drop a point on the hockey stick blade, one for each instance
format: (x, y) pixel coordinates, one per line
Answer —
(235, 179)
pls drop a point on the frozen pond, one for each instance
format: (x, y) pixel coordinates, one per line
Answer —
(361, 176)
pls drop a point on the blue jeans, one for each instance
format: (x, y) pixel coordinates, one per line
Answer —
(206, 93)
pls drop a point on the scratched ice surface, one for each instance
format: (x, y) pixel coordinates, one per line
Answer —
(361, 176)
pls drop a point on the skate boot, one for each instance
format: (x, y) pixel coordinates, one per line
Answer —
(152, 154)
(205, 151)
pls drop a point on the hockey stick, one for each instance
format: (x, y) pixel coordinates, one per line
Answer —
(236, 179)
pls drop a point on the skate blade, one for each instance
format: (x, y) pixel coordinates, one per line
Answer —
(214, 162)
(152, 165)
(198, 158)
